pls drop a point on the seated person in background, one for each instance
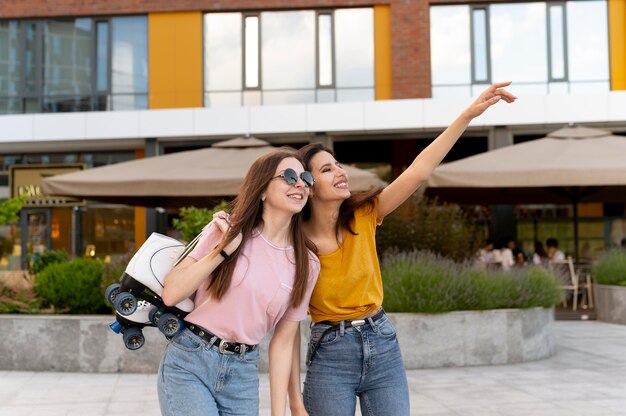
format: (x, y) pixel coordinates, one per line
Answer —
(504, 255)
(518, 253)
(540, 257)
(485, 253)
(554, 254)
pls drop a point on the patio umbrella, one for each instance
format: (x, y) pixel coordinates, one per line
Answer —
(178, 179)
(568, 166)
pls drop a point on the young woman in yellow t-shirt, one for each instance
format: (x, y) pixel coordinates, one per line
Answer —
(353, 349)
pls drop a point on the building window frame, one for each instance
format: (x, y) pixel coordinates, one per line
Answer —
(563, 46)
(474, 44)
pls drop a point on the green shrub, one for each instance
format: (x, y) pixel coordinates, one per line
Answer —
(192, 220)
(424, 282)
(610, 268)
(72, 287)
(42, 260)
(424, 224)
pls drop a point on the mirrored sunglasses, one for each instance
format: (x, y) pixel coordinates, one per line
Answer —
(291, 177)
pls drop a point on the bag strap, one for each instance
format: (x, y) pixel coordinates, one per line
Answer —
(189, 247)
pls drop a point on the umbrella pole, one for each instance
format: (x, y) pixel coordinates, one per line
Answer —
(575, 201)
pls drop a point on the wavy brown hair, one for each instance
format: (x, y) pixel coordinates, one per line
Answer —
(246, 213)
(347, 208)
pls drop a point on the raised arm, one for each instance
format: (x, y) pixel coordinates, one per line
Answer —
(423, 165)
(184, 279)
(281, 361)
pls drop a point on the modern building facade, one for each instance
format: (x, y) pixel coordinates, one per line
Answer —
(92, 83)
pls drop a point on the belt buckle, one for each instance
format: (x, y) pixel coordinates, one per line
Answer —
(358, 322)
(222, 347)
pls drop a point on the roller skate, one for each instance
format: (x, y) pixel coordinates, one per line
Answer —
(143, 279)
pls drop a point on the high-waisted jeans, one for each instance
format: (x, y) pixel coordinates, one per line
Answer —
(362, 361)
(196, 379)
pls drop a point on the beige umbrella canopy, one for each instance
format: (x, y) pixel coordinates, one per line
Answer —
(570, 165)
(573, 163)
(177, 179)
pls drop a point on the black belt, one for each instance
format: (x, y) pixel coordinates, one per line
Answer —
(353, 323)
(225, 347)
(333, 326)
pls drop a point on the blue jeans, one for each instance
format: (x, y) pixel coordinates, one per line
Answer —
(364, 361)
(196, 379)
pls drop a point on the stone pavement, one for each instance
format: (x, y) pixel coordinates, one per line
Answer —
(587, 376)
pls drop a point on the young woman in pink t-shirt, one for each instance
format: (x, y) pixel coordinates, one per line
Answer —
(246, 276)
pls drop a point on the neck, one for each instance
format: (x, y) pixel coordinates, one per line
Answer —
(324, 217)
(276, 228)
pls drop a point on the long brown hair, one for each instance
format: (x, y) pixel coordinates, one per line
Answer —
(347, 208)
(246, 212)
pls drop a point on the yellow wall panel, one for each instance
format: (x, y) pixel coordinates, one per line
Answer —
(617, 43)
(140, 214)
(175, 59)
(382, 52)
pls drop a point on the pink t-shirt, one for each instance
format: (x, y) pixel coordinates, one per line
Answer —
(259, 293)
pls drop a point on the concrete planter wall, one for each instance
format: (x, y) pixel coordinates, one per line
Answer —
(86, 344)
(610, 303)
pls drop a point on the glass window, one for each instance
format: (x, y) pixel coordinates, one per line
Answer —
(223, 56)
(122, 102)
(67, 65)
(31, 75)
(222, 99)
(251, 67)
(325, 49)
(354, 47)
(588, 50)
(450, 45)
(556, 24)
(102, 56)
(9, 58)
(288, 57)
(355, 94)
(480, 45)
(288, 97)
(288, 50)
(519, 42)
(130, 55)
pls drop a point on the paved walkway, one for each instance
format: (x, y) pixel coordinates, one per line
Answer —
(587, 376)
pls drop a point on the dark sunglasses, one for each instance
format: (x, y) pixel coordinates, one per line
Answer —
(291, 177)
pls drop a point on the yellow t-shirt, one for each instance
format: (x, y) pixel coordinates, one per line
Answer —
(349, 285)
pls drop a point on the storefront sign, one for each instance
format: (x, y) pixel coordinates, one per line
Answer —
(26, 180)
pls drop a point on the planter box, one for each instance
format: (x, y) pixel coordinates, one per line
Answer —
(610, 303)
(467, 338)
(86, 344)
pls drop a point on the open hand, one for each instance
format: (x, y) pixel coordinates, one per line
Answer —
(494, 93)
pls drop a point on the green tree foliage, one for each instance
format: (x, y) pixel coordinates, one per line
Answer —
(10, 209)
(424, 224)
(192, 220)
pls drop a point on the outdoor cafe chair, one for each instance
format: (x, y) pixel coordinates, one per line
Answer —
(570, 280)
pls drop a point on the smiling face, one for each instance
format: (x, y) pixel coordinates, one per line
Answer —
(331, 180)
(279, 195)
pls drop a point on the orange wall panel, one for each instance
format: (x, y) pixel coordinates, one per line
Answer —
(175, 59)
(617, 43)
(382, 52)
